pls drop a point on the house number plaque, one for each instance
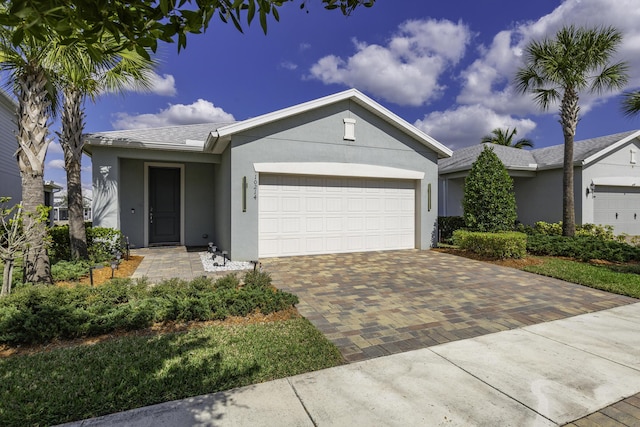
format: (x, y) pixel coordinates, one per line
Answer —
(255, 186)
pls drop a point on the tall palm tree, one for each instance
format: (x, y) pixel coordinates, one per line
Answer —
(80, 76)
(559, 69)
(32, 84)
(505, 137)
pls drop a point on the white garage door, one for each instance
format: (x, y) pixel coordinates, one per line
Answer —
(304, 215)
(619, 207)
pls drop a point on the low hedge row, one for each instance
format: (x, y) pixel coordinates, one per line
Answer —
(37, 314)
(584, 248)
(494, 245)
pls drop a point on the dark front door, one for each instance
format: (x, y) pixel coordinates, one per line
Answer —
(164, 205)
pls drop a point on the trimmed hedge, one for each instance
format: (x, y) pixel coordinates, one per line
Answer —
(584, 248)
(102, 242)
(39, 314)
(494, 245)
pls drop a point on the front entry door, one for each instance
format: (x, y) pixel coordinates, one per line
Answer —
(164, 205)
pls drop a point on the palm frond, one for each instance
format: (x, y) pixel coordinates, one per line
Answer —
(631, 103)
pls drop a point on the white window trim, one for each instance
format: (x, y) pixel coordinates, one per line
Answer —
(147, 165)
(349, 129)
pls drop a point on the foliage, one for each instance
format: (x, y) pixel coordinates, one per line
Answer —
(139, 24)
(17, 230)
(447, 225)
(135, 371)
(494, 245)
(559, 69)
(631, 103)
(584, 248)
(69, 270)
(604, 232)
(103, 242)
(41, 314)
(623, 280)
(489, 202)
(505, 137)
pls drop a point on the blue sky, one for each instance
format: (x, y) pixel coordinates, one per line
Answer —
(445, 67)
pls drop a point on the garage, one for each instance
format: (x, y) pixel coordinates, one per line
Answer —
(619, 207)
(306, 215)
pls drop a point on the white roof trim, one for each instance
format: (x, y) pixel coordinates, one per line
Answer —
(337, 169)
(618, 181)
(352, 94)
(611, 148)
(189, 145)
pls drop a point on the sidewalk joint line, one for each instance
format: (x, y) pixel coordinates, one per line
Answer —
(302, 403)
(492, 386)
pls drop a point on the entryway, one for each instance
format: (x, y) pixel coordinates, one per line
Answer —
(164, 213)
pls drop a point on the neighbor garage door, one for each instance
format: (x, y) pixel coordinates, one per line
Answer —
(619, 207)
(303, 215)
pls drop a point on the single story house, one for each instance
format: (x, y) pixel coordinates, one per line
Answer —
(10, 181)
(606, 181)
(336, 174)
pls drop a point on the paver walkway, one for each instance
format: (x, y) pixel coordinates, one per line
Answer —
(378, 303)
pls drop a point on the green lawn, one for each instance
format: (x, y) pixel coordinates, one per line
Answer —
(87, 381)
(623, 279)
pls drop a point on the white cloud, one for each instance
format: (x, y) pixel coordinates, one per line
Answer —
(487, 80)
(201, 111)
(54, 148)
(163, 85)
(288, 65)
(304, 46)
(466, 125)
(407, 69)
(55, 164)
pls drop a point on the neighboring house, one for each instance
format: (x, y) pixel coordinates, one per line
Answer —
(50, 189)
(606, 181)
(10, 182)
(336, 174)
(61, 208)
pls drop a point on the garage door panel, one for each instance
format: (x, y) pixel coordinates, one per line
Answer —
(333, 215)
(618, 207)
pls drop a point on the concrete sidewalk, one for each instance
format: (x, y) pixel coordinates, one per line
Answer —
(543, 375)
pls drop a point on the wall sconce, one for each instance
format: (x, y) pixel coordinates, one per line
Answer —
(591, 188)
(244, 194)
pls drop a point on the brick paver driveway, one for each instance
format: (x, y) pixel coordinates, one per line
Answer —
(378, 303)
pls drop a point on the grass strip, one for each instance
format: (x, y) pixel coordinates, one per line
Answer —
(87, 381)
(619, 279)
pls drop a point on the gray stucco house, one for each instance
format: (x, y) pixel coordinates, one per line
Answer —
(336, 174)
(606, 181)
(10, 181)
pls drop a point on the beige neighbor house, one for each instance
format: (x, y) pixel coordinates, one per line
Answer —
(606, 181)
(335, 174)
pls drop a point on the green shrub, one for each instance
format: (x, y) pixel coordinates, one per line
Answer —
(604, 232)
(102, 243)
(257, 279)
(69, 270)
(38, 314)
(584, 248)
(447, 225)
(494, 245)
(489, 202)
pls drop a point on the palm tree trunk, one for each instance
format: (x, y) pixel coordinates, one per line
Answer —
(569, 120)
(71, 141)
(33, 117)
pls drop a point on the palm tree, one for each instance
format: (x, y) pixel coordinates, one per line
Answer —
(32, 85)
(81, 76)
(558, 69)
(505, 137)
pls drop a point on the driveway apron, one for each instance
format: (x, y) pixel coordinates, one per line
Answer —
(373, 304)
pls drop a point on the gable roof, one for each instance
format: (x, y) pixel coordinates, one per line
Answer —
(182, 138)
(219, 138)
(584, 152)
(512, 158)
